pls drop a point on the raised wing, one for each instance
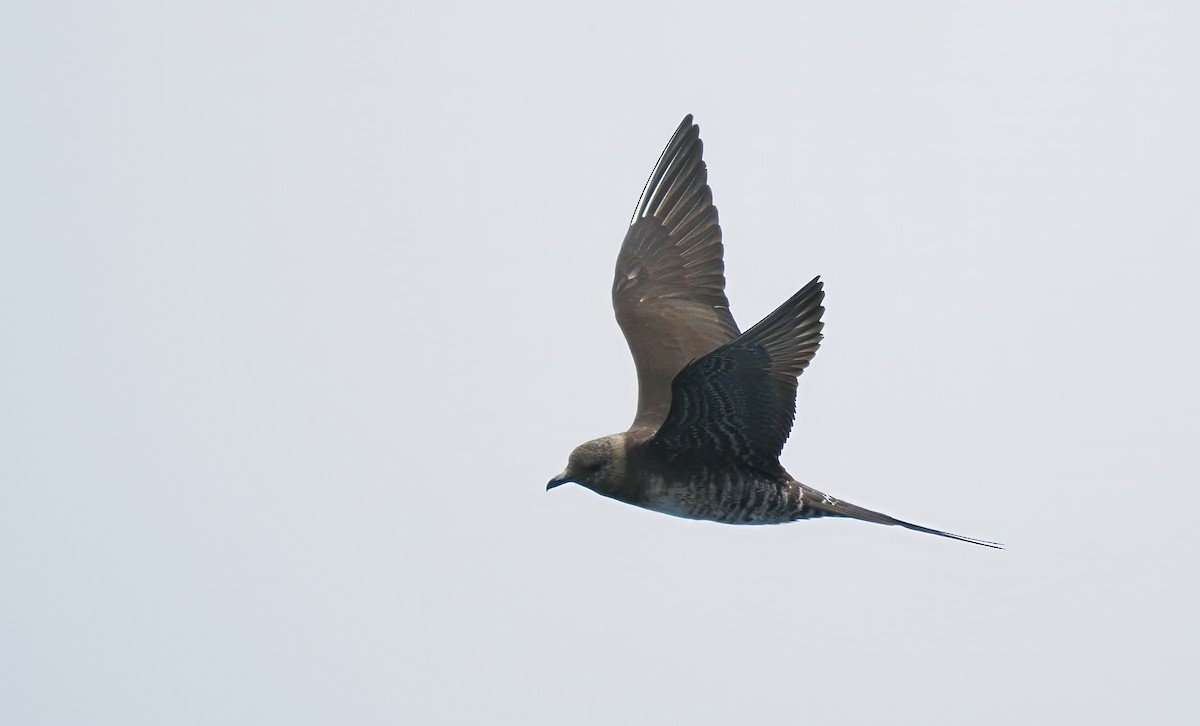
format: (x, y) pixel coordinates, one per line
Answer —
(737, 403)
(669, 287)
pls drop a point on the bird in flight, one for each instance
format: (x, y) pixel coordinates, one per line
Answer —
(715, 405)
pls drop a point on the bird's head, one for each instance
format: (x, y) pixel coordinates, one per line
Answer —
(597, 465)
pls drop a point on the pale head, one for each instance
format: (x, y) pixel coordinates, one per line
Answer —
(598, 465)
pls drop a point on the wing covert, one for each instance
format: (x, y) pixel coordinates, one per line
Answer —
(739, 401)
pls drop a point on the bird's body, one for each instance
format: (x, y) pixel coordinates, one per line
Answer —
(732, 494)
(715, 405)
(727, 495)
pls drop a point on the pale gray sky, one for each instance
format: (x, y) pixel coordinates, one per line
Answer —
(302, 304)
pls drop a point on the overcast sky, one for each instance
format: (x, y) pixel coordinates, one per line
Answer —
(302, 304)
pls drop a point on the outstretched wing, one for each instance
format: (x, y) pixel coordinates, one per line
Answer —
(669, 287)
(737, 403)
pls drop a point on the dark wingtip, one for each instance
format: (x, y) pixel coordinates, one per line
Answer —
(686, 134)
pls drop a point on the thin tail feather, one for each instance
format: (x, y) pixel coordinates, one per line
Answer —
(817, 504)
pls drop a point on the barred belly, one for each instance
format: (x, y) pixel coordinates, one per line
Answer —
(727, 496)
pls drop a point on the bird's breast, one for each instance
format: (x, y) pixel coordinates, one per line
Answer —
(729, 496)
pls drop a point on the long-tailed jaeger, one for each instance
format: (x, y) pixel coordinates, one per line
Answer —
(715, 405)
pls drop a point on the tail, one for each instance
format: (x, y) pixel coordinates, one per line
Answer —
(817, 504)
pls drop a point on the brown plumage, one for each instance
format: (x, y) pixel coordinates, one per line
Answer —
(715, 406)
